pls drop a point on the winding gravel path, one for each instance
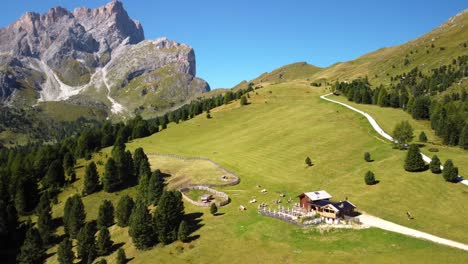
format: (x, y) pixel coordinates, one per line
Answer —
(379, 130)
(389, 226)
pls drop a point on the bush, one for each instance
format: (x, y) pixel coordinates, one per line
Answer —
(423, 137)
(369, 178)
(308, 161)
(213, 209)
(435, 165)
(367, 157)
(450, 172)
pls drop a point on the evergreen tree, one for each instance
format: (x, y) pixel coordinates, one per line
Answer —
(110, 179)
(168, 216)
(450, 172)
(32, 251)
(308, 161)
(422, 137)
(143, 188)
(26, 191)
(435, 165)
(367, 157)
(213, 209)
(144, 168)
(463, 141)
(124, 210)
(184, 231)
(140, 227)
(403, 133)
(121, 257)
(106, 214)
(74, 215)
(45, 224)
(68, 161)
(91, 179)
(243, 100)
(87, 243)
(138, 157)
(382, 98)
(55, 176)
(65, 253)
(369, 178)
(104, 242)
(155, 187)
(414, 161)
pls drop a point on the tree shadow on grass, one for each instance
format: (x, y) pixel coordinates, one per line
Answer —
(219, 214)
(115, 247)
(194, 223)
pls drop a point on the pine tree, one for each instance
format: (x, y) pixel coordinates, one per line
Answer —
(155, 187)
(121, 257)
(435, 165)
(308, 161)
(139, 156)
(74, 215)
(87, 243)
(45, 224)
(450, 172)
(140, 227)
(168, 216)
(124, 210)
(55, 176)
(68, 161)
(414, 161)
(143, 188)
(422, 137)
(213, 209)
(369, 178)
(144, 169)
(104, 242)
(91, 179)
(463, 141)
(32, 250)
(184, 231)
(65, 253)
(106, 214)
(110, 179)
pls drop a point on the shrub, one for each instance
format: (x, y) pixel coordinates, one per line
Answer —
(308, 161)
(367, 157)
(369, 178)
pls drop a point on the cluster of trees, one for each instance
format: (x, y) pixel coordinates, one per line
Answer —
(414, 163)
(415, 92)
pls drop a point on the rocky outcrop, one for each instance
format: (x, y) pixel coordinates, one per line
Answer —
(85, 50)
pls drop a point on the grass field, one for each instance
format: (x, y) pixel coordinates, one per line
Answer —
(266, 143)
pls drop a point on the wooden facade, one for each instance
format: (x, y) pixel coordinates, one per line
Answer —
(320, 203)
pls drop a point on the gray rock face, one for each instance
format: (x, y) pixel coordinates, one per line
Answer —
(73, 52)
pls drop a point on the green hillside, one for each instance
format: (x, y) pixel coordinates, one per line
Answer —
(266, 143)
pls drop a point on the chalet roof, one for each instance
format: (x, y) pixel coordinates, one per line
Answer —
(318, 195)
(342, 205)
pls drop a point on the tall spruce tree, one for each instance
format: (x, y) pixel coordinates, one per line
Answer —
(106, 214)
(65, 253)
(104, 242)
(140, 228)
(124, 210)
(91, 179)
(435, 165)
(155, 187)
(87, 243)
(121, 257)
(168, 215)
(450, 172)
(45, 224)
(74, 215)
(55, 176)
(111, 180)
(32, 251)
(143, 188)
(463, 141)
(414, 161)
(184, 231)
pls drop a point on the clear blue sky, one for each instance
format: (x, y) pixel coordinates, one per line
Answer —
(237, 40)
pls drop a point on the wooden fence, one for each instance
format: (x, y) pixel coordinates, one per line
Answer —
(225, 197)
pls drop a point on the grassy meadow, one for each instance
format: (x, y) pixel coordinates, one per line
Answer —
(265, 143)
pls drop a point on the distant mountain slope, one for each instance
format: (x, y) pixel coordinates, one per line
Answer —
(92, 57)
(434, 49)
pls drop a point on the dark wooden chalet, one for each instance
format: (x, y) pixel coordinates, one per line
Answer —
(320, 202)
